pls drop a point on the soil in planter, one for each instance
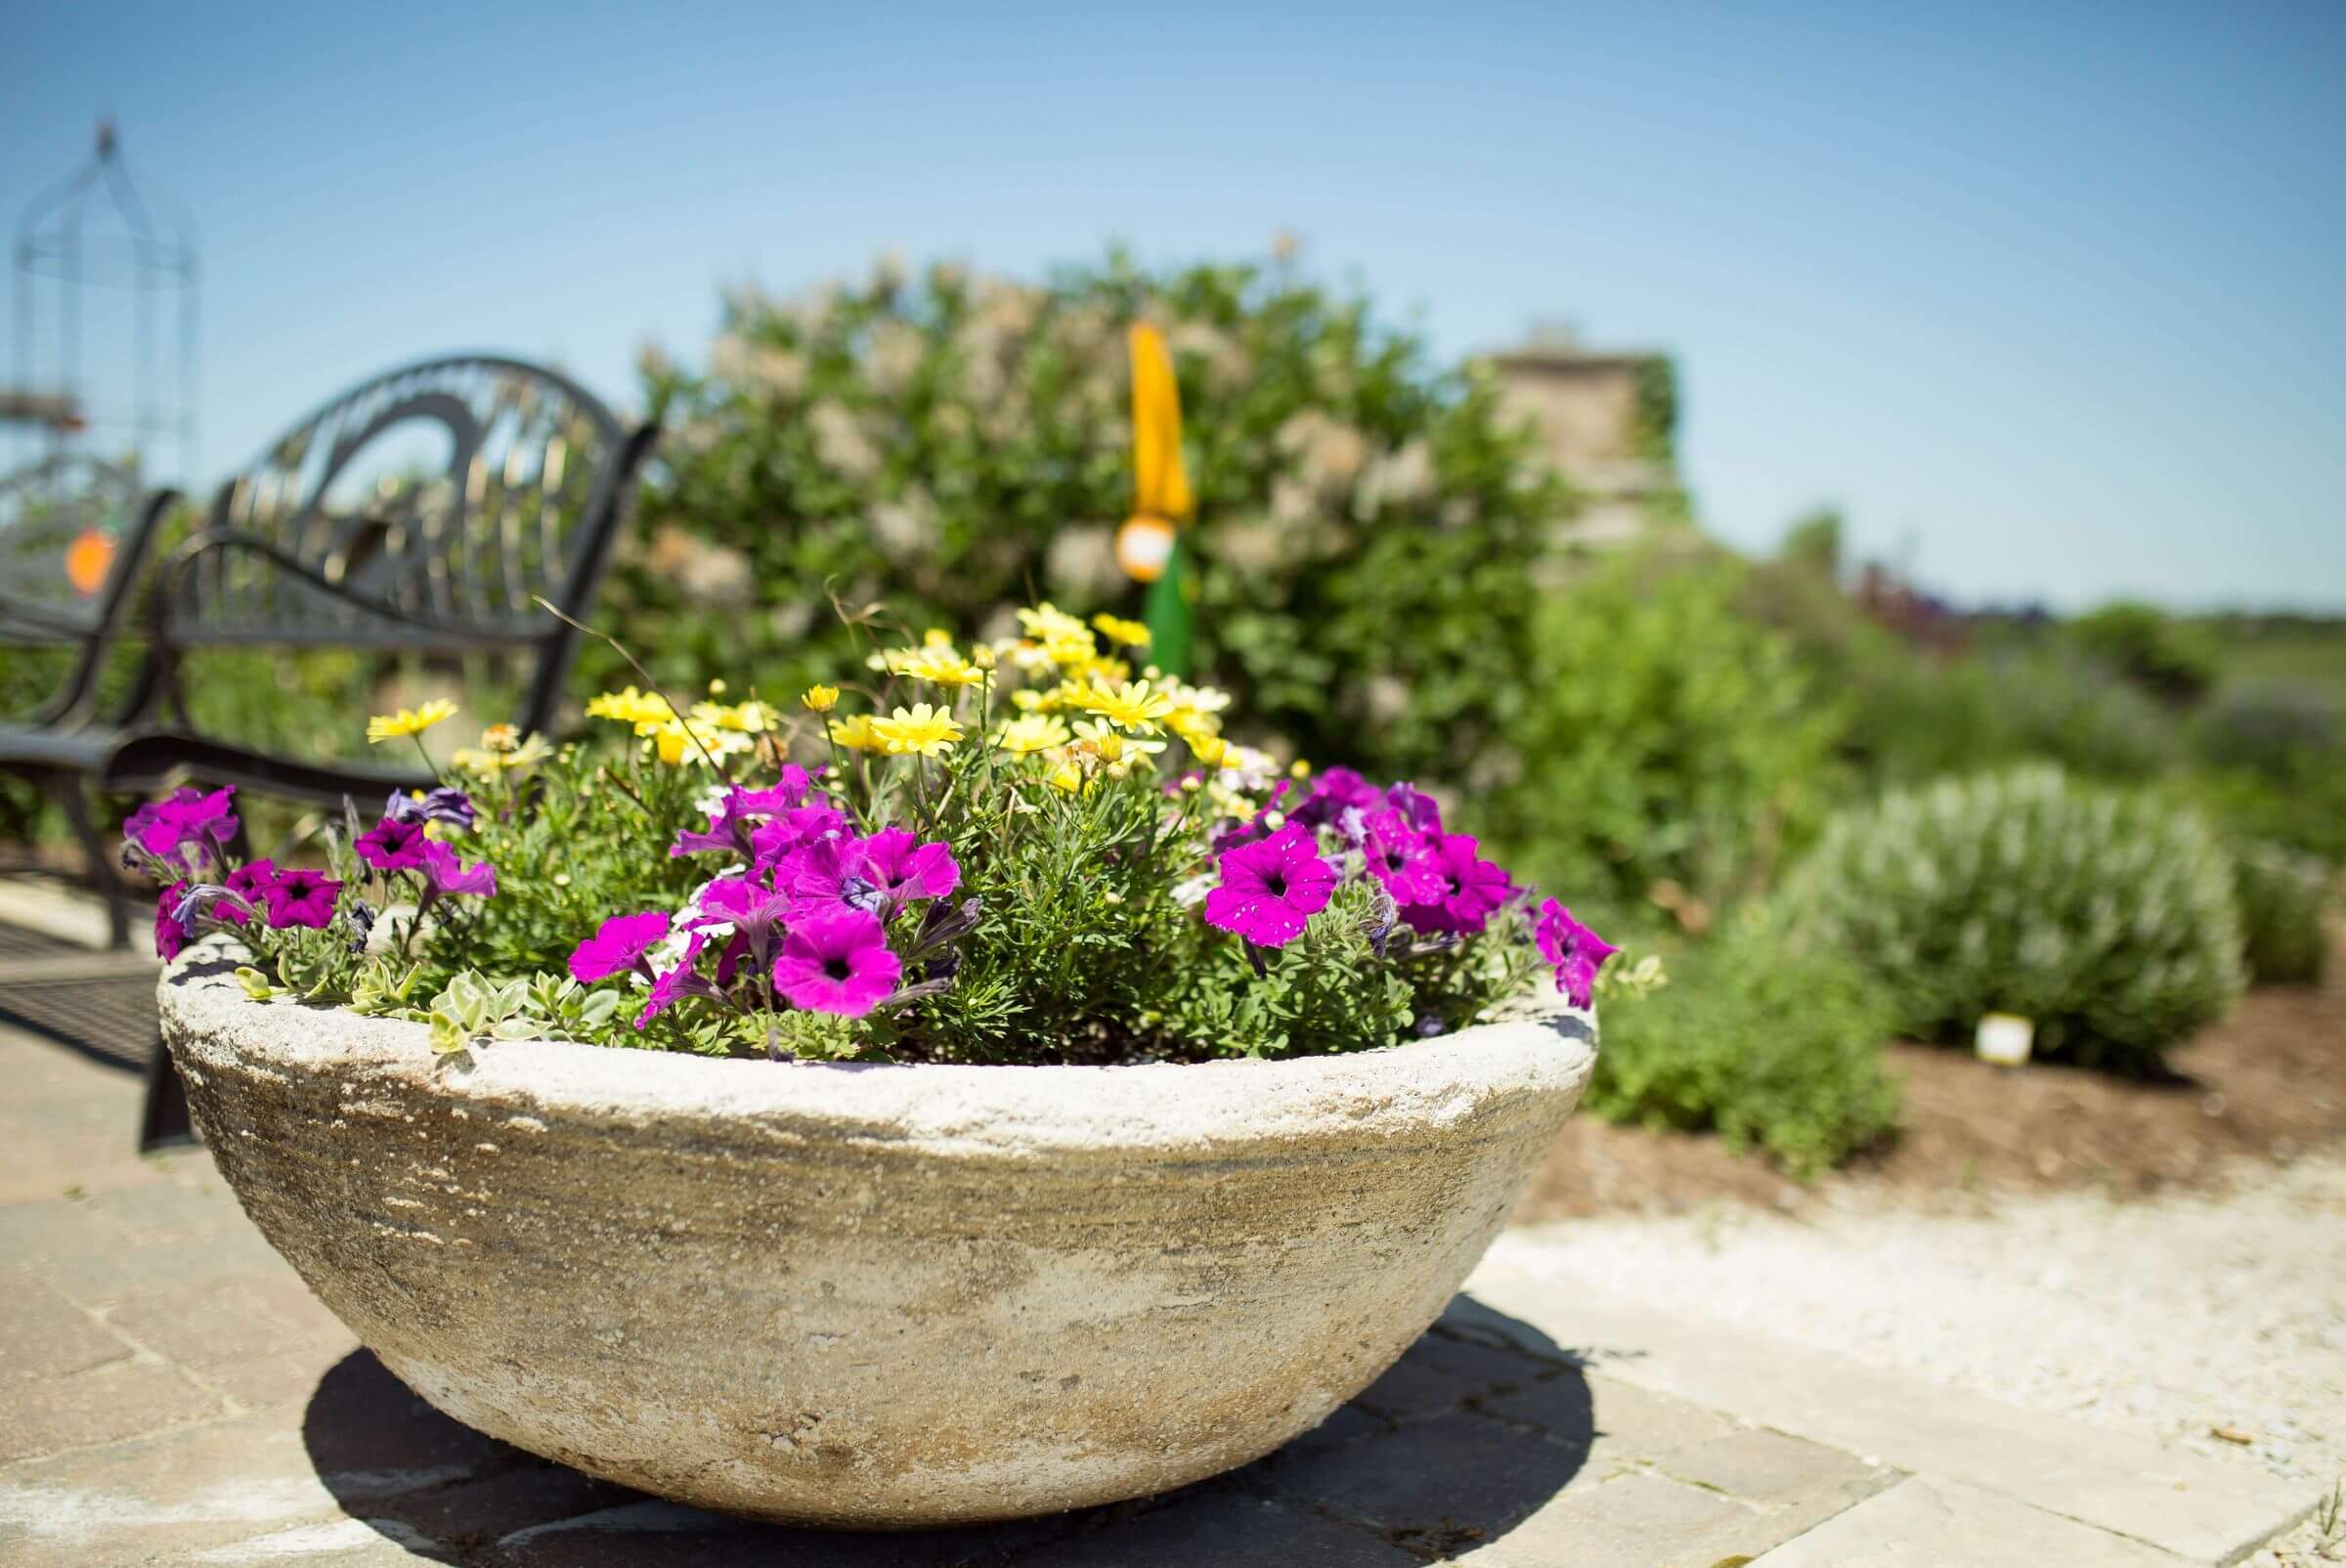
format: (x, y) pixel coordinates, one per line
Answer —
(2264, 1084)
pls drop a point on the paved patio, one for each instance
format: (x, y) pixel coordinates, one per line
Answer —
(174, 1395)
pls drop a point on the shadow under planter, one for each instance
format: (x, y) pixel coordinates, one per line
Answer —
(1420, 1466)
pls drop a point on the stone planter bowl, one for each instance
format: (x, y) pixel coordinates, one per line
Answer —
(862, 1296)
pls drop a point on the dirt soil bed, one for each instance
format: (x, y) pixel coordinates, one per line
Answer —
(2268, 1083)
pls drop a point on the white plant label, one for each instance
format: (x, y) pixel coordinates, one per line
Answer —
(2005, 1039)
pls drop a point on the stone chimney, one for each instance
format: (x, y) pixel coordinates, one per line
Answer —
(1608, 421)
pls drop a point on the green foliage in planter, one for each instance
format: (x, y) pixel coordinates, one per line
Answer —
(2106, 916)
(2281, 898)
(1665, 736)
(1770, 1043)
(1366, 521)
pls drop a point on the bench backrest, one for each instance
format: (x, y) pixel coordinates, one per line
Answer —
(425, 510)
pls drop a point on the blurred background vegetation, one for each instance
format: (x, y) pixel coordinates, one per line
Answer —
(1732, 760)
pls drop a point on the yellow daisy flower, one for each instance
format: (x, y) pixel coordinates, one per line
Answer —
(856, 733)
(751, 717)
(941, 666)
(1045, 623)
(408, 720)
(501, 738)
(1030, 733)
(631, 707)
(918, 731)
(1133, 705)
(1131, 633)
(820, 698)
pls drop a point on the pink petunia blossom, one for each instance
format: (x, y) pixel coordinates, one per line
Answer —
(302, 898)
(448, 874)
(1343, 800)
(1575, 951)
(188, 815)
(1403, 859)
(672, 986)
(393, 845)
(902, 870)
(796, 830)
(838, 963)
(171, 934)
(1417, 808)
(618, 945)
(249, 881)
(1471, 887)
(1272, 888)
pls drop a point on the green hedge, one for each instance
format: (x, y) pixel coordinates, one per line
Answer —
(1770, 1043)
(1366, 522)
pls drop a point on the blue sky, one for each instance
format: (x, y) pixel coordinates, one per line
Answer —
(2043, 295)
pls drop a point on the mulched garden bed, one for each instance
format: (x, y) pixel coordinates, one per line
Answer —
(2267, 1084)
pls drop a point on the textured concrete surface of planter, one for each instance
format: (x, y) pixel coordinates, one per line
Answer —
(871, 1296)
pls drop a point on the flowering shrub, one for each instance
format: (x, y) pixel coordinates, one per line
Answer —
(1037, 850)
(1364, 520)
(2104, 916)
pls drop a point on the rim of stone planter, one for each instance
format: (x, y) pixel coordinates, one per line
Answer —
(872, 1295)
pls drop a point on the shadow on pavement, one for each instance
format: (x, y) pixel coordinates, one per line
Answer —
(1474, 1429)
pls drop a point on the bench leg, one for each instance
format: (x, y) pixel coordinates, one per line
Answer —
(76, 803)
(163, 1121)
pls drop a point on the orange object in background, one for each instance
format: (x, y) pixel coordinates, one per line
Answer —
(1160, 485)
(88, 559)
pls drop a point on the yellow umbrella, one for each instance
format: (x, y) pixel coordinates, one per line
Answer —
(1160, 485)
(1147, 546)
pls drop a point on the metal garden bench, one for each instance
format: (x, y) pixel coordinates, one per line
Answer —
(422, 512)
(75, 535)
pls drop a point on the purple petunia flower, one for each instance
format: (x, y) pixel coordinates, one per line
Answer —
(213, 901)
(1269, 890)
(445, 874)
(740, 810)
(674, 984)
(619, 945)
(162, 828)
(249, 881)
(1403, 859)
(392, 845)
(1575, 951)
(900, 870)
(826, 875)
(1471, 887)
(838, 963)
(171, 934)
(301, 898)
(1343, 800)
(447, 804)
(796, 830)
(1417, 808)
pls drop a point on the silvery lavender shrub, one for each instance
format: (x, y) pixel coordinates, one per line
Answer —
(2105, 916)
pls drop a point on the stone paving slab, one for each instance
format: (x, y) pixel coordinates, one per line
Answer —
(171, 1394)
(1924, 1523)
(2196, 1509)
